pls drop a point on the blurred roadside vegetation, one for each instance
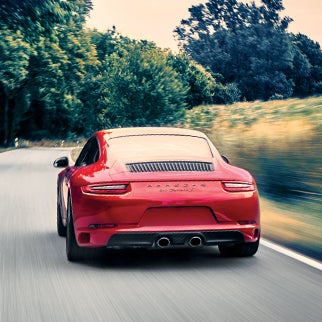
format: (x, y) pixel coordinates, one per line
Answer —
(280, 143)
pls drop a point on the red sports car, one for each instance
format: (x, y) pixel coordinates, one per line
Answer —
(155, 187)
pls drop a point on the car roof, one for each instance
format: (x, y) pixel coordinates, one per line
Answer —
(132, 131)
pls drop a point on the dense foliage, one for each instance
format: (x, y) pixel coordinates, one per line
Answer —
(60, 80)
(44, 54)
(249, 45)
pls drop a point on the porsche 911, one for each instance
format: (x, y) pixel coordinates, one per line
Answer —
(155, 187)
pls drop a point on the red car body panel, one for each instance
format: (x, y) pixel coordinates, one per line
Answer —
(158, 203)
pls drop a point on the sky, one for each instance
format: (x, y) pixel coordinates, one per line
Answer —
(155, 20)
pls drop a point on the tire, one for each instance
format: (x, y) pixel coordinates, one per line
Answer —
(61, 229)
(239, 250)
(73, 251)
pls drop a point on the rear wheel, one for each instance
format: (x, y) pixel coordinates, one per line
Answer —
(61, 229)
(73, 251)
(239, 250)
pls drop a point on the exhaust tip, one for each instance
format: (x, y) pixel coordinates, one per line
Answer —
(163, 242)
(195, 241)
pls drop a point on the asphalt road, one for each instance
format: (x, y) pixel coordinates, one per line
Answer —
(37, 283)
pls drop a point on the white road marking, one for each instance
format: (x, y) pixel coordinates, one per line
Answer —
(290, 253)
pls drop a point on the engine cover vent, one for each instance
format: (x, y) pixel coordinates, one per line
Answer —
(166, 166)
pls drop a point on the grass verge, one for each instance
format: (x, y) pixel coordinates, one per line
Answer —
(279, 142)
(292, 226)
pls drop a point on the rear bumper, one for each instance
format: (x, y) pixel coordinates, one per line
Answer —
(147, 237)
(139, 218)
(175, 239)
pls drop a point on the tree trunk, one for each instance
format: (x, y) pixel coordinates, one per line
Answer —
(6, 119)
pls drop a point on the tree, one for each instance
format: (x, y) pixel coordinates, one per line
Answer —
(62, 57)
(262, 69)
(246, 44)
(45, 53)
(25, 14)
(135, 87)
(14, 60)
(307, 66)
(203, 86)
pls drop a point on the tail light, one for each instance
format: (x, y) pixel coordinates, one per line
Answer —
(107, 189)
(236, 186)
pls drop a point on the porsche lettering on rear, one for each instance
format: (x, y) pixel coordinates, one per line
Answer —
(177, 187)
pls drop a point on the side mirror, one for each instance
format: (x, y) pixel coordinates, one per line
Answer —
(61, 162)
(225, 159)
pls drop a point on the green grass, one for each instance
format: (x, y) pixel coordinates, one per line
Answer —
(293, 225)
(280, 142)
(247, 113)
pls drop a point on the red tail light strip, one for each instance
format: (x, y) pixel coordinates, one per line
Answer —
(106, 189)
(235, 186)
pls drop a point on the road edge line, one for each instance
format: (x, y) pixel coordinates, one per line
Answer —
(290, 253)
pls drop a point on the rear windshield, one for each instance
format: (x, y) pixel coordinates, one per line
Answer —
(169, 146)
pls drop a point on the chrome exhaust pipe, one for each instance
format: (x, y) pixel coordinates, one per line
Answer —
(195, 241)
(163, 242)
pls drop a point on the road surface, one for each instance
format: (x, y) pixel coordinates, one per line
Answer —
(39, 284)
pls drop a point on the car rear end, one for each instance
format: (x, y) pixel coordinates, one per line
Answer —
(165, 191)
